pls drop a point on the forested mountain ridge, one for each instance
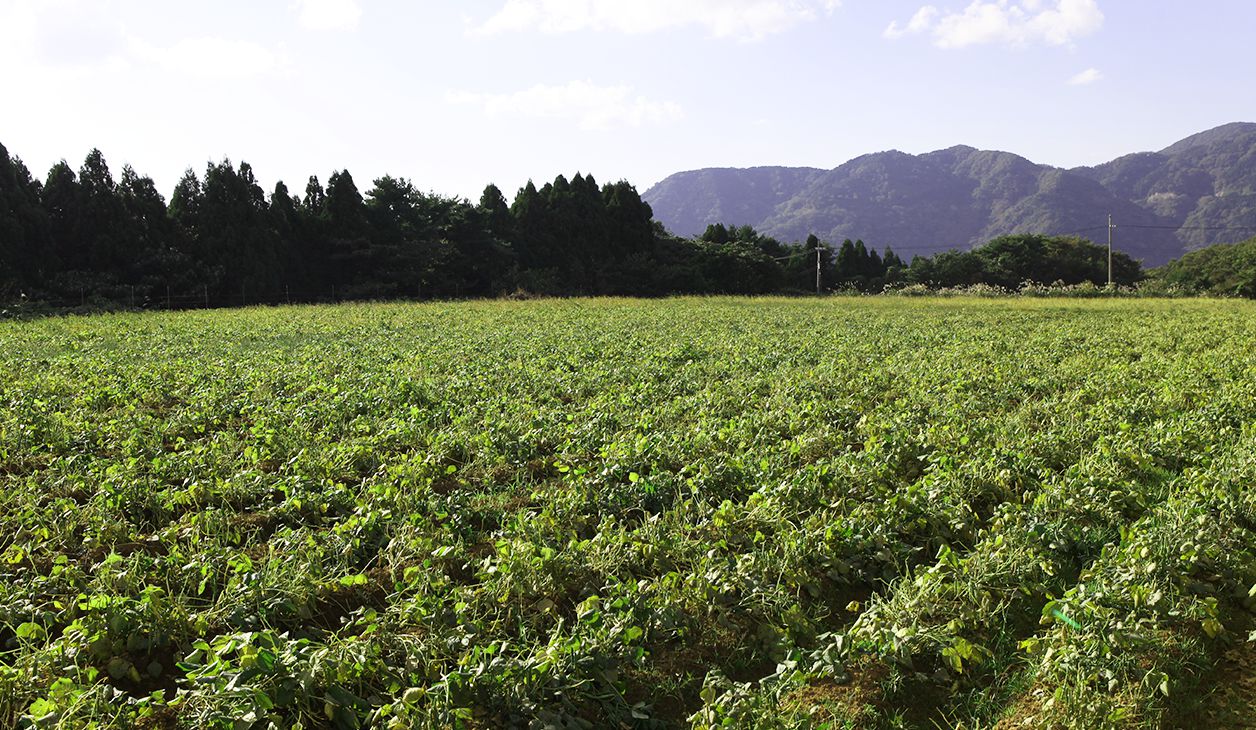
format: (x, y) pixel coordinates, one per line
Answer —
(961, 196)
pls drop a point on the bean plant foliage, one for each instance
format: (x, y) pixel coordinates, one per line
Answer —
(704, 513)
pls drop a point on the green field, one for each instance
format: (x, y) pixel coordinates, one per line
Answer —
(847, 512)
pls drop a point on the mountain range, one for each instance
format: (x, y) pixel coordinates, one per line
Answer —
(1193, 193)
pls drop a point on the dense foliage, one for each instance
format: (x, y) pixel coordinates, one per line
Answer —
(610, 513)
(1218, 270)
(1010, 261)
(221, 240)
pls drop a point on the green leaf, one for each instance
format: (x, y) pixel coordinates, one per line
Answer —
(31, 631)
(41, 707)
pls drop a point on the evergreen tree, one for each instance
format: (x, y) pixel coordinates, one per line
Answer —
(348, 236)
(863, 263)
(469, 260)
(184, 211)
(535, 239)
(315, 201)
(311, 248)
(283, 210)
(103, 232)
(401, 253)
(847, 264)
(894, 266)
(630, 219)
(26, 257)
(496, 213)
(186, 200)
(588, 240)
(716, 233)
(240, 249)
(153, 258)
(344, 206)
(284, 214)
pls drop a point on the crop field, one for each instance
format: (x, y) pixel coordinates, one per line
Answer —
(760, 513)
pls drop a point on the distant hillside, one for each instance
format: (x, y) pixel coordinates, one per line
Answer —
(959, 197)
(727, 195)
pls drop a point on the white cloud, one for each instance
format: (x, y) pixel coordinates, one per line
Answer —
(328, 14)
(592, 107)
(85, 38)
(62, 34)
(919, 23)
(210, 58)
(1089, 76)
(1053, 22)
(741, 19)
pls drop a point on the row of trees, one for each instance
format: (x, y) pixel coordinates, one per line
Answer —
(1220, 270)
(1010, 261)
(221, 236)
(85, 234)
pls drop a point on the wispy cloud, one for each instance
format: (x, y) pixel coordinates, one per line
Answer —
(741, 19)
(208, 57)
(62, 34)
(1089, 76)
(1027, 22)
(591, 106)
(328, 14)
(919, 23)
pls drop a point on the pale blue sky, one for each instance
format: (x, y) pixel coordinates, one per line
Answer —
(457, 94)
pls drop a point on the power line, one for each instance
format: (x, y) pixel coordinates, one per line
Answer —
(1192, 228)
(1079, 230)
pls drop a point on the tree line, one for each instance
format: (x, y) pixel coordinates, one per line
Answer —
(86, 234)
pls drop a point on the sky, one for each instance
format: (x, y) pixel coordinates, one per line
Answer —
(454, 95)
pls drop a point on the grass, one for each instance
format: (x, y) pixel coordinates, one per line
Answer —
(847, 512)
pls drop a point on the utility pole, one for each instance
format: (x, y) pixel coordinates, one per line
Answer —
(817, 269)
(1110, 227)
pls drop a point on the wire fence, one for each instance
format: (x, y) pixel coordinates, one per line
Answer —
(145, 297)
